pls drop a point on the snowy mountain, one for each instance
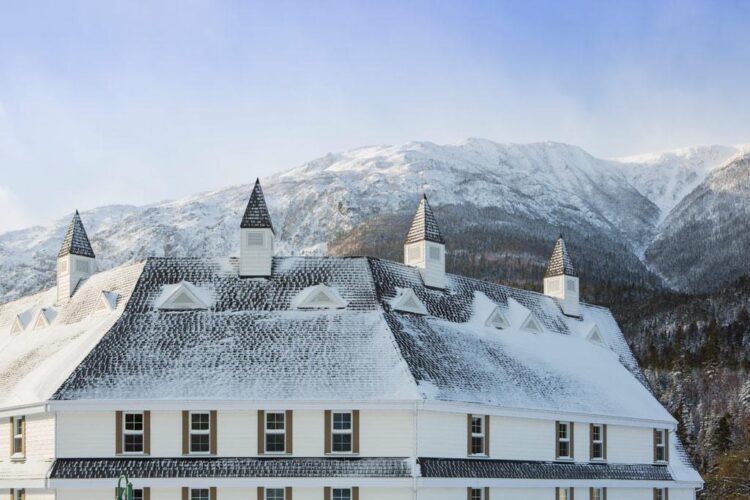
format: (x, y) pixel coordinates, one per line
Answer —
(510, 200)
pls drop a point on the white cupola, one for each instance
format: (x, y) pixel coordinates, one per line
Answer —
(75, 260)
(561, 280)
(425, 247)
(256, 237)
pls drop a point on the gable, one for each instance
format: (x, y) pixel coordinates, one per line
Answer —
(531, 325)
(17, 325)
(183, 296)
(407, 301)
(107, 301)
(497, 319)
(595, 337)
(319, 297)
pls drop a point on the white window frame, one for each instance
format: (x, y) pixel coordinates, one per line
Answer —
(267, 490)
(599, 441)
(349, 431)
(482, 435)
(661, 446)
(126, 432)
(199, 432)
(334, 490)
(565, 439)
(207, 490)
(563, 493)
(267, 431)
(481, 493)
(19, 433)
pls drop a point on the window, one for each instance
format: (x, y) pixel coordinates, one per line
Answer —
(137, 494)
(598, 434)
(660, 494)
(564, 434)
(414, 253)
(553, 285)
(199, 494)
(598, 494)
(478, 434)
(132, 432)
(274, 493)
(571, 285)
(341, 432)
(275, 434)
(660, 445)
(476, 494)
(434, 253)
(19, 428)
(200, 433)
(564, 494)
(255, 239)
(341, 494)
(19, 494)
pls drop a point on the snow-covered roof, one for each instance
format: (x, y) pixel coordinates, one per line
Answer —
(76, 240)
(560, 262)
(424, 226)
(256, 213)
(253, 344)
(34, 362)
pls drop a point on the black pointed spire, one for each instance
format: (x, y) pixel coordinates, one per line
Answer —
(424, 226)
(560, 262)
(76, 241)
(256, 214)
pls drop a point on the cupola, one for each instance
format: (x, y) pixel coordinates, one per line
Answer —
(256, 237)
(561, 280)
(75, 260)
(425, 247)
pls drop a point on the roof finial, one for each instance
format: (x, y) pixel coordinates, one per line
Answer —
(424, 225)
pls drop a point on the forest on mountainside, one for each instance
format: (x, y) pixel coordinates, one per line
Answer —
(694, 348)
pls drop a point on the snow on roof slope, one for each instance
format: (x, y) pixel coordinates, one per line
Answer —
(34, 362)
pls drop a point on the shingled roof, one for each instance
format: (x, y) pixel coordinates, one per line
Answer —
(76, 241)
(256, 214)
(560, 263)
(424, 226)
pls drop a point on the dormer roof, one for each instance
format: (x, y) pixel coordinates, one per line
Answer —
(560, 263)
(256, 214)
(76, 241)
(424, 227)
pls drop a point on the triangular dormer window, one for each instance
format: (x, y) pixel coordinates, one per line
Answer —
(531, 325)
(184, 296)
(44, 318)
(17, 326)
(319, 297)
(407, 301)
(595, 337)
(497, 319)
(107, 301)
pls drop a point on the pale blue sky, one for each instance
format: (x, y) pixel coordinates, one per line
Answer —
(134, 102)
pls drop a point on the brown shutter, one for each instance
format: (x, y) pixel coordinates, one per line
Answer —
(261, 432)
(654, 497)
(557, 491)
(604, 445)
(146, 493)
(146, 435)
(468, 490)
(12, 442)
(327, 493)
(288, 493)
(213, 434)
(355, 493)
(487, 491)
(355, 431)
(185, 489)
(666, 493)
(23, 442)
(591, 493)
(572, 449)
(591, 453)
(666, 445)
(572, 490)
(655, 455)
(289, 432)
(12, 490)
(185, 432)
(327, 432)
(118, 432)
(261, 492)
(557, 445)
(212, 493)
(604, 493)
(487, 435)
(468, 438)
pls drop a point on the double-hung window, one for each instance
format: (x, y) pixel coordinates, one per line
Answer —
(564, 494)
(341, 494)
(200, 434)
(18, 494)
(564, 440)
(478, 435)
(132, 432)
(660, 494)
(341, 432)
(200, 494)
(598, 494)
(138, 494)
(660, 445)
(274, 494)
(598, 436)
(275, 433)
(477, 494)
(19, 430)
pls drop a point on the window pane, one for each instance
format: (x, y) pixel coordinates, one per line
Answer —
(476, 494)
(274, 493)
(477, 445)
(17, 445)
(341, 494)
(660, 453)
(476, 425)
(659, 437)
(342, 443)
(137, 494)
(133, 443)
(564, 449)
(563, 495)
(275, 421)
(18, 423)
(596, 433)
(342, 421)
(562, 431)
(199, 494)
(133, 422)
(275, 442)
(199, 421)
(597, 448)
(199, 443)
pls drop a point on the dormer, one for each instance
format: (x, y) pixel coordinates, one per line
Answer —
(424, 247)
(20, 322)
(497, 319)
(44, 318)
(318, 297)
(107, 301)
(256, 237)
(561, 280)
(407, 301)
(522, 316)
(75, 260)
(594, 336)
(183, 296)
(531, 324)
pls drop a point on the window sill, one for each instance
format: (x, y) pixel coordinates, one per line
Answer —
(18, 458)
(564, 459)
(341, 454)
(598, 460)
(479, 455)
